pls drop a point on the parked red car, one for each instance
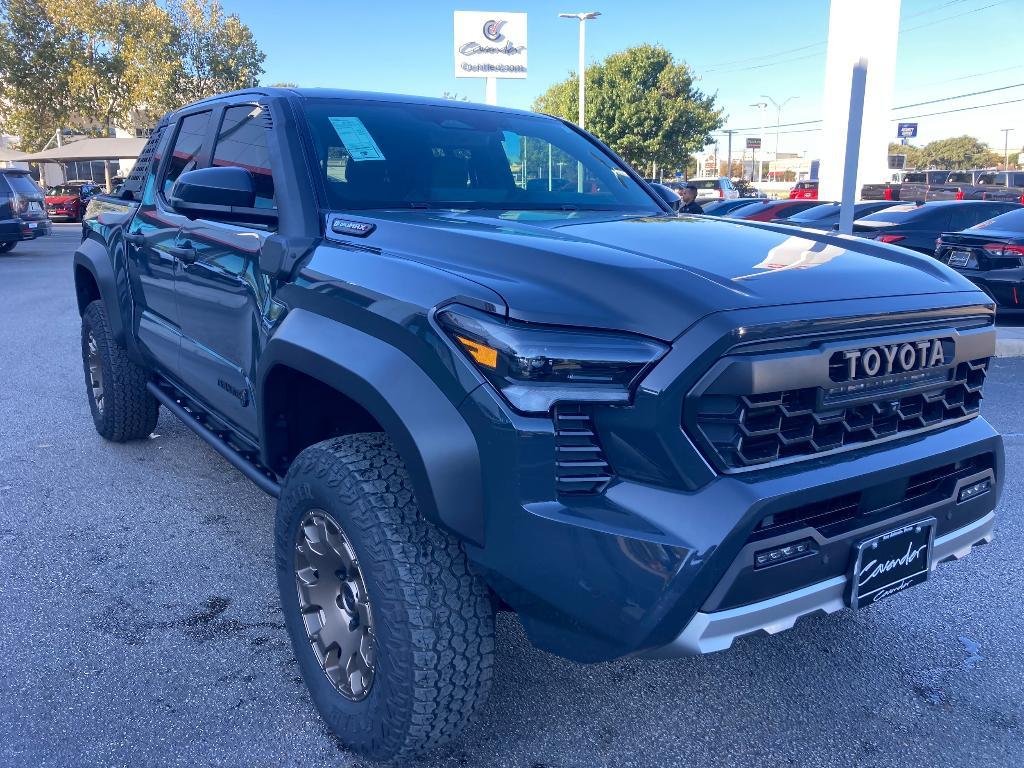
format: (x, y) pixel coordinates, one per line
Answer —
(68, 201)
(804, 190)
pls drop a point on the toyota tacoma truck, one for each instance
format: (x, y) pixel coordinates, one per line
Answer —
(483, 366)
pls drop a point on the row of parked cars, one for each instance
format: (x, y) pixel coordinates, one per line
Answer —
(981, 239)
(926, 186)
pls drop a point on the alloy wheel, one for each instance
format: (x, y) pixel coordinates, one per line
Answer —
(95, 372)
(334, 604)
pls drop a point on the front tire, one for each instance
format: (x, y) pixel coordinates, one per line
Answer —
(8, 246)
(122, 408)
(393, 634)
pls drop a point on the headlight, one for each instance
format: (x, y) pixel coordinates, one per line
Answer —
(535, 366)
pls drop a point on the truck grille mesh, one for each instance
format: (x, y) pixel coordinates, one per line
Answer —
(580, 464)
(751, 430)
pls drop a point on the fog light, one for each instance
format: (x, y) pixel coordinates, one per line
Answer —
(781, 554)
(975, 489)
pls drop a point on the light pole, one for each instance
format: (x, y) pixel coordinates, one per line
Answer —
(778, 117)
(583, 18)
(761, 106)
(1006, 147)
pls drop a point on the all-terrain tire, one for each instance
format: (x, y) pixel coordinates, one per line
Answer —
(432, 618)
(126, 410)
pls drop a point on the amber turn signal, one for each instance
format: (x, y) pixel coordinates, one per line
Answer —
(486, 356)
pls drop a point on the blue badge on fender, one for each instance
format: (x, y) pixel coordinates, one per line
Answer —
(354, 228)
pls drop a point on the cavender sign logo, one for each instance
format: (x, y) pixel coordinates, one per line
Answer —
(888, 359)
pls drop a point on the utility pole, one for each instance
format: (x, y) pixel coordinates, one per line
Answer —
(762, 106)
(583, 18)
(729, 132)
(1006, 147)
(778, 118)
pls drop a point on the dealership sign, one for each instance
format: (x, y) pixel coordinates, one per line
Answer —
(490, 44)
(754, 143)
(906, 131)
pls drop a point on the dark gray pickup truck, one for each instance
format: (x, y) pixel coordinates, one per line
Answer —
(483, 366)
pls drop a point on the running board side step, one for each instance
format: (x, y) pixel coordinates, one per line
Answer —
(252, 471)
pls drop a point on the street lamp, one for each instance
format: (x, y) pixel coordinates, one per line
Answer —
(761, 106)
(778, 117)
(583, 18)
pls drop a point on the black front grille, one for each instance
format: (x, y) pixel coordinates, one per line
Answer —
(751, 430)
(580, 464)
(905, 495)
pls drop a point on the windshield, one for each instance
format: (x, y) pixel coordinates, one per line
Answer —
(704, 183)
(23, 184)
(65, 190)
(393, 155)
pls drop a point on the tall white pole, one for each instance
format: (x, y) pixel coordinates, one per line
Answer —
(582, 70)
(851, 157)
(491, 92)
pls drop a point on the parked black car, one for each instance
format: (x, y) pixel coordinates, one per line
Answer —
(991, 255)
(826, 215)
(722, 207)
(646, 434)
(918, 225)
(22, 209)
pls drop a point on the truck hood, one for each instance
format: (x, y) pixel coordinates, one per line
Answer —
(650, 275)
(60, 199)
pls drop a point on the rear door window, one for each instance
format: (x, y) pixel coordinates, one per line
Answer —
(242, 143)
(964, 216)
(187, 149)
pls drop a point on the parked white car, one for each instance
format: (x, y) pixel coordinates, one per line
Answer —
(715, 189)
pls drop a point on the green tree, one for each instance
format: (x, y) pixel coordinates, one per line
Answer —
(642, 104)
(35, 89)
(217, 52)
(122, 58)
(958, 152)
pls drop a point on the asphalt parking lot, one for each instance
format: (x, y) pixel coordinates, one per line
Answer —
(139, 619)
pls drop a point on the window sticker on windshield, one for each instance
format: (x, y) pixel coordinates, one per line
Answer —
(356, 138)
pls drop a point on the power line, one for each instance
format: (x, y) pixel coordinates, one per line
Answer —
(905, 106)
(961, 109)
(726, 67)
(961, 96)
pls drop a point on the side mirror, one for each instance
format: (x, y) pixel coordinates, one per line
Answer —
(668, 195)
(220, 193)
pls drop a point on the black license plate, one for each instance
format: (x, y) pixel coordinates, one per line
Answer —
(891, 562)
(959, 258)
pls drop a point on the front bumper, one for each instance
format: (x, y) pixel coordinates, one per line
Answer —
(709, 632)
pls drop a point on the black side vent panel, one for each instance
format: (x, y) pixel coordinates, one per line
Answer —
(268, 121)
(581, 466)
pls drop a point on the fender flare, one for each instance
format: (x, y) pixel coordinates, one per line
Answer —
(435, 442)
(93, 256)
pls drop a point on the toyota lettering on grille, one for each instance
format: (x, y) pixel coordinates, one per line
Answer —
(889, 359)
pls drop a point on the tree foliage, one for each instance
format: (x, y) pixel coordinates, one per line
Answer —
(955, 153)
(642, 104)
(217, 51)
(89, 65)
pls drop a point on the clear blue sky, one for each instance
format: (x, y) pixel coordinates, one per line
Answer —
(947, 48)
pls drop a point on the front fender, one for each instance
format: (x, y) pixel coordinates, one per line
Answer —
(434, 441)
(92, 257)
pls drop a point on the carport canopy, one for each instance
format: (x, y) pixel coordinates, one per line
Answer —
(11, 155)
(89, 149)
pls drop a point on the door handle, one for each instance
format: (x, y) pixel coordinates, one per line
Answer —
(186, 253)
